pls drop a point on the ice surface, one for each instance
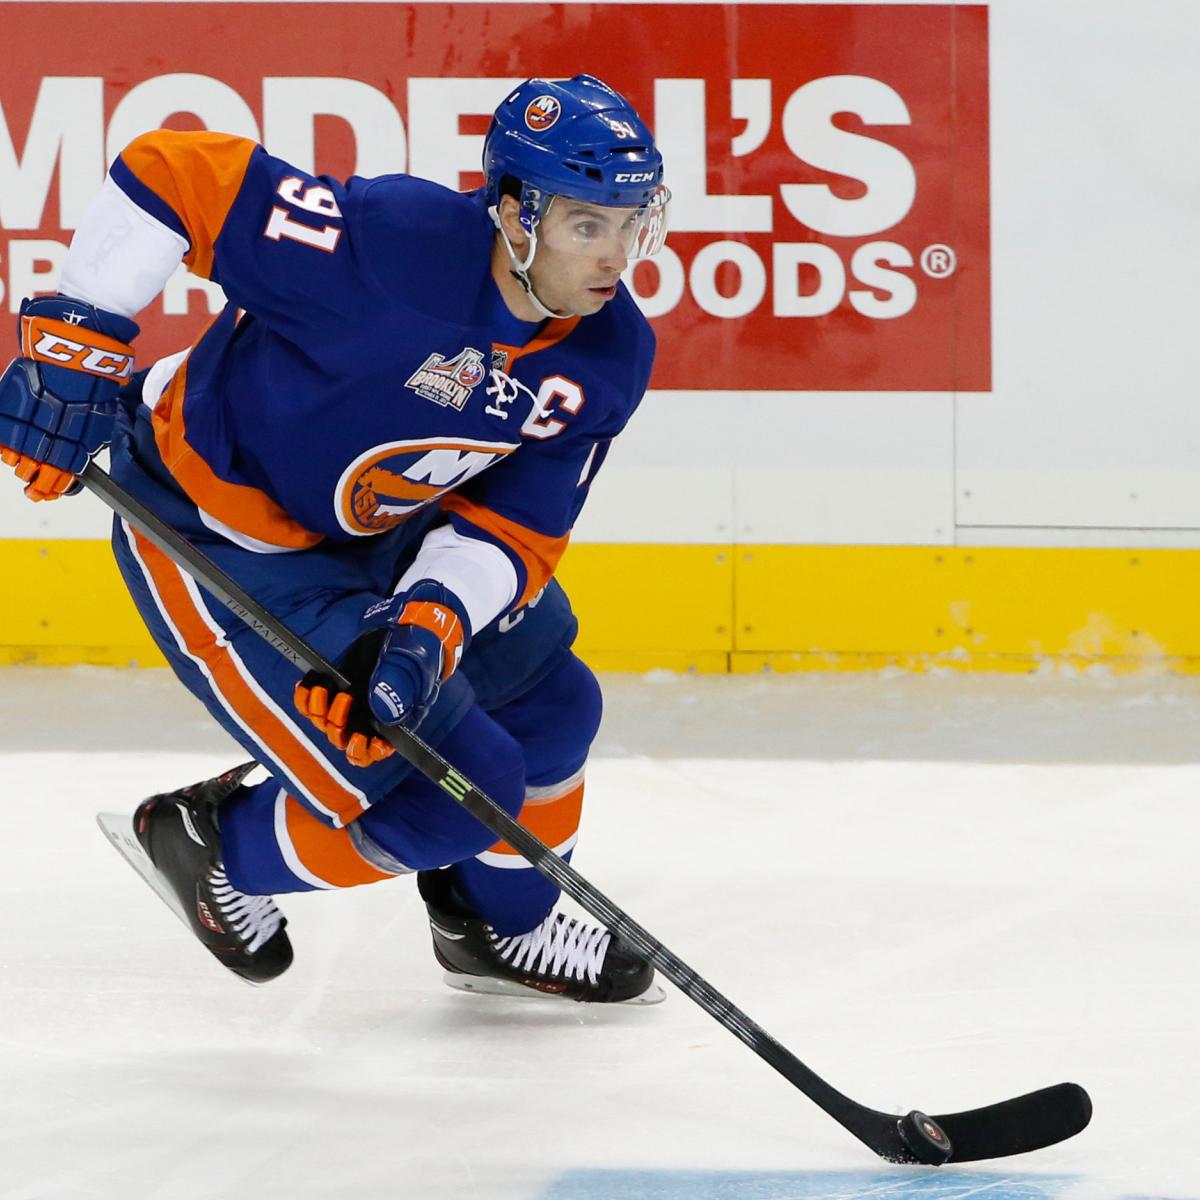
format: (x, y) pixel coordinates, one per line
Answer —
(937, 891)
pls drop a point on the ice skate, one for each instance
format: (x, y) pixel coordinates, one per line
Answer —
(177, 840)
(563, 958)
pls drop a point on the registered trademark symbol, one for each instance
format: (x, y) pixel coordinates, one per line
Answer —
(938, 260)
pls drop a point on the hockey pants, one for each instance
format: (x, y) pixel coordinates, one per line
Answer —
(517, 719)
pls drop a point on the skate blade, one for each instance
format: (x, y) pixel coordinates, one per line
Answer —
(118, 828)
(483, 985)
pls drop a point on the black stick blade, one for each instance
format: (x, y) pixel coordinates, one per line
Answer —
(1019, 1125)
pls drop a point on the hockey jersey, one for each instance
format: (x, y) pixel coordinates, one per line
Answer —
(365, 365)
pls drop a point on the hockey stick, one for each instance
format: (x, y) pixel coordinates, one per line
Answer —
(1014, 1126)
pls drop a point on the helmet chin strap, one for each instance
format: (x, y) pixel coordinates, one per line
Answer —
(520, 268)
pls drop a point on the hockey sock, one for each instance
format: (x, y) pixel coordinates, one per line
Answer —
(272, 844)
(501, 886)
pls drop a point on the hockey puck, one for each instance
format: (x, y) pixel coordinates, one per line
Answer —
(925, 1138)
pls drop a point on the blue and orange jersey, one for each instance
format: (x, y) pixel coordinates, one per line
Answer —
(366, 366)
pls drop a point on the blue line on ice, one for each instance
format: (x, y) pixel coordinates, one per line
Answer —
(884, 1184)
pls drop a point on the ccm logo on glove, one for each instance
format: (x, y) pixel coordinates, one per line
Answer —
(391, 701)
(50, 341)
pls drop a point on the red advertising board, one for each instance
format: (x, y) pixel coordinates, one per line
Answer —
(829, 162)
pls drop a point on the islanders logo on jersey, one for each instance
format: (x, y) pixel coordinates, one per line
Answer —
(542, 112)
(448, 381)
(390, 482)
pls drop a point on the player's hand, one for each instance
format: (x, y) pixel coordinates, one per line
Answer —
(58, 401)
(410, 645)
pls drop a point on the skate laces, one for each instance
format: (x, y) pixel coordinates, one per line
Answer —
(255, 919)
(560, 945)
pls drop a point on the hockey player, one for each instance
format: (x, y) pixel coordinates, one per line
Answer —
(386, 437)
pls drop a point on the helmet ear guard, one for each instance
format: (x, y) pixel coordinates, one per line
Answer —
(528, 199)
(529, 225)
(531, 200)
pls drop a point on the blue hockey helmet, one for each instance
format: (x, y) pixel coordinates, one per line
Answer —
(576, 138)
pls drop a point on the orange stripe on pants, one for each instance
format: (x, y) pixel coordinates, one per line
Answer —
(554, 820)
(301, 759)
(327, 853)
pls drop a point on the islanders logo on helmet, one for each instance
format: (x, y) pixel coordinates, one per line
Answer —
(542, 112)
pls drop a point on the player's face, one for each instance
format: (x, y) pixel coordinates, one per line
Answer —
(582, 250)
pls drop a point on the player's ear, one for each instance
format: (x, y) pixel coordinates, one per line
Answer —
(510, 211)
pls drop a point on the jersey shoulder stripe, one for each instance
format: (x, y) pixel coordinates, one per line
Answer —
(188, 181)
(147, 200)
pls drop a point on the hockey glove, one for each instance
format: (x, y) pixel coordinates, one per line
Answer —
(58, 401)
(410, 645)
